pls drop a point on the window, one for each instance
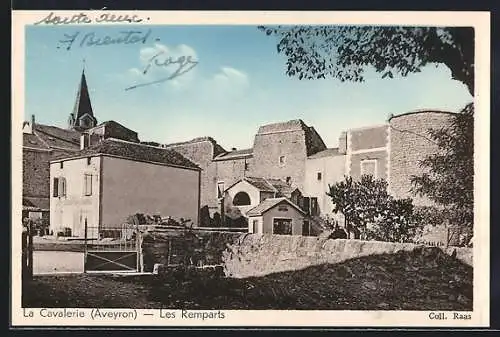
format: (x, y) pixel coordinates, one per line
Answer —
(282, 226)
(62, 188)
(255, 225)
(59, 188)
(88, 184)
(319, 176)
(61, 165)
(306, 228)
(281, 160)
(55, 188)
(220, 190)
(89, 160)
(314, 206)
(241, 199)
(369, 167)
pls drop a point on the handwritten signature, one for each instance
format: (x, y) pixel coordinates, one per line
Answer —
(91, 39)
(80, 18)
(160, 59)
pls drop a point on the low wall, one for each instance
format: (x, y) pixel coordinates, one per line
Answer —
(261, 254)
(245, 255)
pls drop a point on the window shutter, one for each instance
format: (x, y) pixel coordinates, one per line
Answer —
(62, 186)
(56, 187)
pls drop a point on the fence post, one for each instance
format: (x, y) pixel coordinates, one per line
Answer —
(169, 251)
(24, 271)
(85, 248)
(30, 249)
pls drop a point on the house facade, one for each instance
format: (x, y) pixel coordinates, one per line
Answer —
(278, 216)
(103, 184)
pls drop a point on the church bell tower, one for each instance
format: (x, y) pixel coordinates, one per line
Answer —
(82, 118)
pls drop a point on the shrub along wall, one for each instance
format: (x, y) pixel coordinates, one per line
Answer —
(174, 247)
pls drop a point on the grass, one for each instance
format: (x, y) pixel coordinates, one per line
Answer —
(423, 279)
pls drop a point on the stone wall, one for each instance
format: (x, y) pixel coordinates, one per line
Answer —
(246, 255)
(269, 147)
(409, 144)
(261, 254)
(201, 151)
(36, 173)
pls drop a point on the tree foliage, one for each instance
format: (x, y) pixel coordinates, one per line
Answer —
(344, 52)
(449, 176)
(368, 207)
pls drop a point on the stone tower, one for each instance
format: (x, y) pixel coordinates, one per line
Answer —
(82, 118)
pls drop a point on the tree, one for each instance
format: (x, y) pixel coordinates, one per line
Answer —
(368, 208)
(344, 52)
(449, 176)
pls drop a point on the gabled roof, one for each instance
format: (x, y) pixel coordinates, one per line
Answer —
(46, 137)
(133, 151)
(236, 154)
(269, 203)
(326, 153)
(272, 185)
(36, 204)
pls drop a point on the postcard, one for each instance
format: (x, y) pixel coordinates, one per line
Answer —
(250, 169)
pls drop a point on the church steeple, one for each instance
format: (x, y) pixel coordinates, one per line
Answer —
(82, 117)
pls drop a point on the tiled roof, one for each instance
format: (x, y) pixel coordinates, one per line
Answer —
(268, 185)
(326, 153)
(31, 140)
(236, 154)
(32, 203)
(270, 203)
(261, 183)
(48, 136)
(134, 151)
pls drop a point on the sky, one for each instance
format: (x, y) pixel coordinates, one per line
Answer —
(238, 84)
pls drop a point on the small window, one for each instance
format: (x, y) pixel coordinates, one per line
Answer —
(62, 187)
(255, 225)
(55, 188)
(61, 165)
(89, 160)
(246, 166)
(314, 206)
(282, 226)
(282, 160)
(369, 167)
(88, 184)
(306, 228)
(220, 190)
(319, 175)
(241, 199)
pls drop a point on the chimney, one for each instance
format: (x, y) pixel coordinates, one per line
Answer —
(84, 141)
(28, 127)
(233, 149)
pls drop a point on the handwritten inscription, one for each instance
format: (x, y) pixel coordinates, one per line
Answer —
(182, 65)
(83, 18)
(91, 39)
